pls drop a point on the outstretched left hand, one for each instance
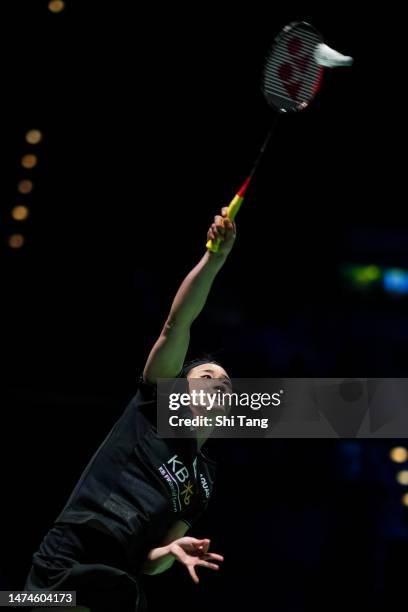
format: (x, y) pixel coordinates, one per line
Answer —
(193, 553)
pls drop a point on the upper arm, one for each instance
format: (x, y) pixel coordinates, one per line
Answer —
(168, 353)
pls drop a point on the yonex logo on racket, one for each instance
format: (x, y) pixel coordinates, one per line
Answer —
(292, 75)
(300, 63)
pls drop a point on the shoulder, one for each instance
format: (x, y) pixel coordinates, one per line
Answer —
(142, 405)
(146, 390)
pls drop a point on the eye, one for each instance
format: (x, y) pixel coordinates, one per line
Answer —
(206, 376)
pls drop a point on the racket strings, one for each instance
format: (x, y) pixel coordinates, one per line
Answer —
(292, 76)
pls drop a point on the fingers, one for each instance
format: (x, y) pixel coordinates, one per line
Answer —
(208, 565)
(213, 556)
(203, 561)
(193, 574)
(229, 230)
(197, 542)
(216, 231)
(218, 226)
(228, 223)
(222, 228)
(210, 235)
(204, 545)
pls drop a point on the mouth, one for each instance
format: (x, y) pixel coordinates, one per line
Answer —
(220, 408)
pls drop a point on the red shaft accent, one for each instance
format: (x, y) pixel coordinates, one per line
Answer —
(243, 189)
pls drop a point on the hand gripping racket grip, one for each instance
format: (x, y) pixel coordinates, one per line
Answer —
(233, 208)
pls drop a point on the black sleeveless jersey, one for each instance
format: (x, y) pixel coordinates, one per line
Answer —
(137, 485)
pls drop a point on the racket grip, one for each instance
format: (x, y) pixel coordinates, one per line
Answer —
(214, 245)
(232, 210)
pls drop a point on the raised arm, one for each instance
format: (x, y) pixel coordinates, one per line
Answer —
(168, 353)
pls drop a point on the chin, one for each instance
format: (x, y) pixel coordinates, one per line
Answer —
(219, 409)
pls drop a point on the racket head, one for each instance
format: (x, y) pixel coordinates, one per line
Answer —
(291, 76)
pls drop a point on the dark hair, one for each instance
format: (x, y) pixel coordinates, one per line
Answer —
(193, 363)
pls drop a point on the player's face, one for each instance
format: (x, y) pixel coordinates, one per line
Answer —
(210, 371)
(211, 378)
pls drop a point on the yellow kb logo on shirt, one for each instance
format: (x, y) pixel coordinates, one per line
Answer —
(187, 492)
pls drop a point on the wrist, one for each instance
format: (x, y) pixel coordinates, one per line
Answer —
(167, 550)
(158, 560)
(158, 553)
(217, 259)
(170, 550)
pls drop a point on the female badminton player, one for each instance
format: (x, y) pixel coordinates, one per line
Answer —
(140, 493)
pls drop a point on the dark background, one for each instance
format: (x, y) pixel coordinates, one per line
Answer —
(151, 118)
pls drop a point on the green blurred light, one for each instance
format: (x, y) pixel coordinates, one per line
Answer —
(362, 275)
